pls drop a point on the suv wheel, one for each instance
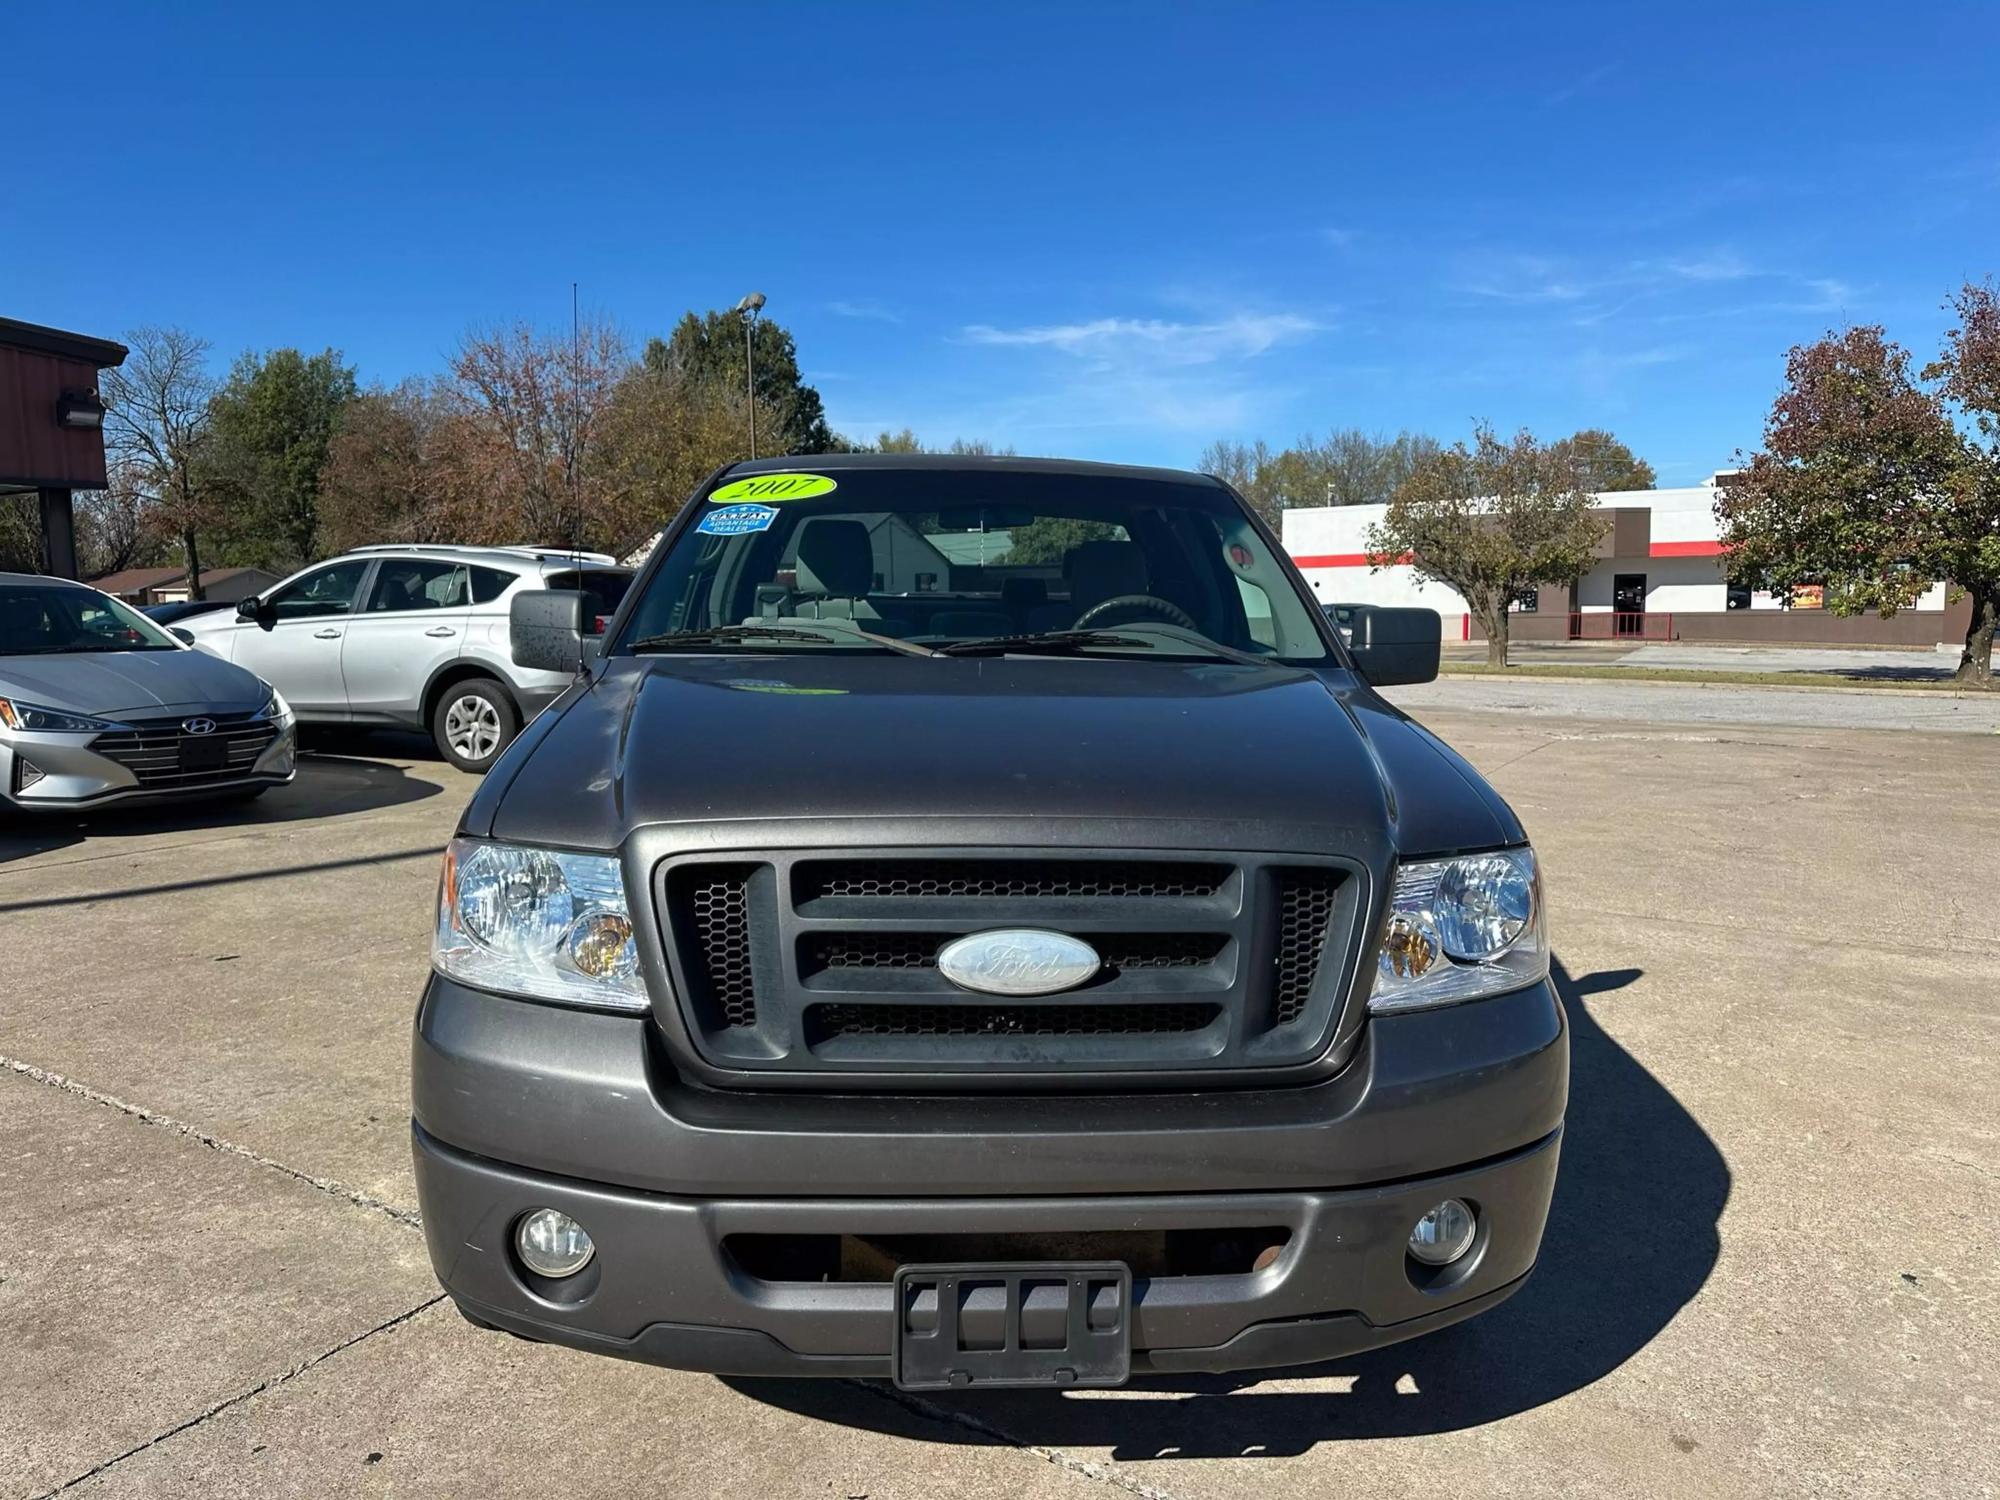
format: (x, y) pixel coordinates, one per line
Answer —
(472, 723)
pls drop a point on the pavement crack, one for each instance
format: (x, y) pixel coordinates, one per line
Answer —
(1086, 1468)
(408, 1218)
(242, 1396)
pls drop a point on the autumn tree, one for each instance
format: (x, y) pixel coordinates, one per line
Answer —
(1968, 544)
(273, 421)
(1608, 464)
(1863, 486)
(1346, 467)
(157, 428)
(541, 399)
(409, 464)
(662, 435)
(1491, 521)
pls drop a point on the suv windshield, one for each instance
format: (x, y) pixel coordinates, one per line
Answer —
(40, 618)
(1149, 567)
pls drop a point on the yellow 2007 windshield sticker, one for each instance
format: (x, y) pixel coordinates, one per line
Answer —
(770, 487)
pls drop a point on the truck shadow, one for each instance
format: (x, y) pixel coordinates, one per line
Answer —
(1631, 1238)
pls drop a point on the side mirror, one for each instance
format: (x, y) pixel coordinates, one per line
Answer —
(186, 637)
(1393, 646)
(251, 609)
(545, 630)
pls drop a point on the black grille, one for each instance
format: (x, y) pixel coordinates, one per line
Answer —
(823, 962)
(151, 750)
(829, 1021)
(919, 950)
(717, 902)
(1305, 906)
(1043, 878)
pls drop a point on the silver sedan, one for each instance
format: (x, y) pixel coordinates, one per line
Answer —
(99, 705)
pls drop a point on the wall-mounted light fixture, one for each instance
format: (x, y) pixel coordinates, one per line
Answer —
(79, 409)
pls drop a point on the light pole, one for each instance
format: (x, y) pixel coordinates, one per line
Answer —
(750, 306)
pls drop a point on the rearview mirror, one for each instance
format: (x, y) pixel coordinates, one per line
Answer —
(545, 630)
(1392, 646)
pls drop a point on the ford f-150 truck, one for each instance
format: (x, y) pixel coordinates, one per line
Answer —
(974, 922)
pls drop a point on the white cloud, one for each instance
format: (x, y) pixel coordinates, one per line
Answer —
(866, 309)
(1155, 340)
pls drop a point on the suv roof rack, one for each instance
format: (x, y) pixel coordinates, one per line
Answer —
(509, 550)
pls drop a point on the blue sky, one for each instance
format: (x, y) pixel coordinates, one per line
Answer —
(1113, 232)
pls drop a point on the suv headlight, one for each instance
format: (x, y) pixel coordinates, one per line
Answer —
(538, 922)
(14, 714)
(1459, 929)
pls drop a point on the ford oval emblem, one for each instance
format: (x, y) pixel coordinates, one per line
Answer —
(1018, 961)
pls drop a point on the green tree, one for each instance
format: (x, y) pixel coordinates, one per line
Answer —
(1048, 539)
(1346, 467)
(273, 422)
(1608, 464)
(1862, 486)
(707, 350)
(1491, 521)
(1969, 530)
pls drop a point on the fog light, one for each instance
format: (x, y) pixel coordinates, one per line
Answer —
(552, 1244)
(1443, 1234)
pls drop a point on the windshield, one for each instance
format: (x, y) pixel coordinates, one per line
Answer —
(945, 557)
(39, 618)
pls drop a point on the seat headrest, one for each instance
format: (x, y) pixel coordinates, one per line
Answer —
(1103, 570)
(836, 559)
(1020, 593)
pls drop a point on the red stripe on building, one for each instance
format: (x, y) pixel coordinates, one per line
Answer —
(1685, 549)
(1347, 560)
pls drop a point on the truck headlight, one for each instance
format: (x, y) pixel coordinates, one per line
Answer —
(537, 922)
(14, 714)
(1459, 929)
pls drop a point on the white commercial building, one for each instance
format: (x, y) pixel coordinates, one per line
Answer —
(1658, 575)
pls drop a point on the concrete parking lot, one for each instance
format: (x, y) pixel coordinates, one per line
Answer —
(1770, 1269)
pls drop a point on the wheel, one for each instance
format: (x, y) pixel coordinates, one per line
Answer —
(473, 722)
(1134, 607)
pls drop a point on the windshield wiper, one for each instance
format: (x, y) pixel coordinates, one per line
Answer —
(1043, 642)
(729, 634)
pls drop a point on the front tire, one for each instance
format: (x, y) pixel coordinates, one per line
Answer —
(473, 722)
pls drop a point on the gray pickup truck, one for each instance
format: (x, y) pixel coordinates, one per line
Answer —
(973, 922)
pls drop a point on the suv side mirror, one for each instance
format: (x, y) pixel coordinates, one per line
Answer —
(251, 609)
(545, 630)
(1393, 646)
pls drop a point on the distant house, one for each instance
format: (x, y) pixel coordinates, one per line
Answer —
(170, 585)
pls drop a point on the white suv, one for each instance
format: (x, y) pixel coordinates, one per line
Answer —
(410, 634)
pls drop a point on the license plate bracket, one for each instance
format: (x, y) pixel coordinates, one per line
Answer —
(203, 752)
(1057, 1323)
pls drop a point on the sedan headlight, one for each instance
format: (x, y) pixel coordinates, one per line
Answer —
(538, 922)
(14, 714)
(275, 707)
(1459, 929)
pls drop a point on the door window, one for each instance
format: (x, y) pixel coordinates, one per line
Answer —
(405, 583)
(489, 584)
(330, 591)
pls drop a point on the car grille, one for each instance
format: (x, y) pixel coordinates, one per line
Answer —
(806, 962)
(151, 749)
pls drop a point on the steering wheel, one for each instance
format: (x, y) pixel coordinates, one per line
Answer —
(1144, 604)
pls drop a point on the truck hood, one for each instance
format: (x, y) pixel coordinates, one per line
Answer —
(711, 739)
(115, 684)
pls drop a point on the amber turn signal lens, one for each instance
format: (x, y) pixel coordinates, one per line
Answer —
(1408, 948)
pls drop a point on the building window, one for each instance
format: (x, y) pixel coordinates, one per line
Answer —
(1528, 601)
(1739, 596)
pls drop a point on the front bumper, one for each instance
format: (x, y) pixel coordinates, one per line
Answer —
(61, 772)
(664, 1289)
(520, 1106)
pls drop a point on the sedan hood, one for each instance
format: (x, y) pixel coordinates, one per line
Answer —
(719, 739)
(119, 684)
